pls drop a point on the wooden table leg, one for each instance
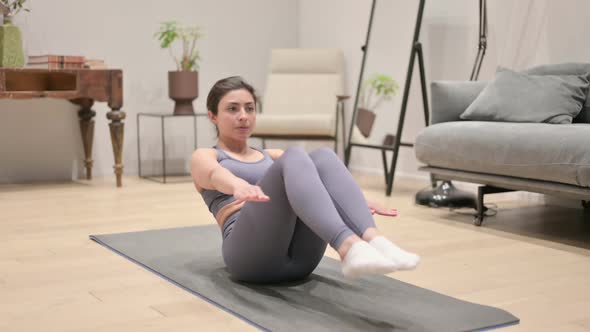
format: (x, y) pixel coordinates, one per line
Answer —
(116, 125)
(86, 116)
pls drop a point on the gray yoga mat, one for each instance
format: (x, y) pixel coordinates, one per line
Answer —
(191, 258)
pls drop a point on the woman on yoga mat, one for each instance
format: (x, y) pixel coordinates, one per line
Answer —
(278, 210)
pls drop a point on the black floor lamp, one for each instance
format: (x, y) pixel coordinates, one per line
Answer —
(446, 194)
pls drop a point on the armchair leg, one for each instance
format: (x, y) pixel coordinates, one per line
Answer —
(343, 122)
(347, 155)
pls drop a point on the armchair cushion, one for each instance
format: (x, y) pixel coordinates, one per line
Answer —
(306, 61)
(519, 97)
(295, 124)
(291, 94)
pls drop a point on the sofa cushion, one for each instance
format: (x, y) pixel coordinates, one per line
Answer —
(518, 97)
(451, 98)
(569, 68)
(556, 153)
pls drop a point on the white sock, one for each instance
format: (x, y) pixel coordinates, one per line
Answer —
(404, 260)
(363, 259)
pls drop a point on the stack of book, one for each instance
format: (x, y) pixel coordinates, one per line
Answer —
(56, 61)
(94, 64)
(52, 61)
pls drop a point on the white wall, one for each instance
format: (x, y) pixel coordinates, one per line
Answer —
(521, 34)
(40, 139)
(239, 36)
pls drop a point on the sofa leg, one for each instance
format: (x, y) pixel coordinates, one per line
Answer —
(478, 220)
(481, 208)
(433, 181)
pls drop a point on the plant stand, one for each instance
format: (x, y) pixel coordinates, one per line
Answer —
(163, 117)
(416, 51)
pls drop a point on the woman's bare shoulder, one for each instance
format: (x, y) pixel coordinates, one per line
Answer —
(205, 153)
(275, 153)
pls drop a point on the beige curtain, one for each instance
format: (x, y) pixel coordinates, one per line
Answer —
(520, 31)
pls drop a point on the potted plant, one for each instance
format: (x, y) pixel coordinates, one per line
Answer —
(183, 84)
(11, 43)
(374, 90)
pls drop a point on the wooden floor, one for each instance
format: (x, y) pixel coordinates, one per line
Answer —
(533, 261)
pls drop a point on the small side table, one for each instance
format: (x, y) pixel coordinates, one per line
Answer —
(163, 117)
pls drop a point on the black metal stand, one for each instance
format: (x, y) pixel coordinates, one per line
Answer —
(445, 194)
(416, 50)
(364, 49)
(163, 117)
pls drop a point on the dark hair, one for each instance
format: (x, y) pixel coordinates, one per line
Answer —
(222, 87)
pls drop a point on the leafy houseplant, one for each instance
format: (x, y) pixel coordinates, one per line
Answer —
(374, 90)
(11, 43)
(183, 84)
(11, 8)
(170, 32)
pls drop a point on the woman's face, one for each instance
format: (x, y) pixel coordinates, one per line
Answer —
(236, 115)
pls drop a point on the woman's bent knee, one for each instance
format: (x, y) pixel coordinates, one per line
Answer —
(324, 156)
(294, 150)
(297, 156)
(323, 152)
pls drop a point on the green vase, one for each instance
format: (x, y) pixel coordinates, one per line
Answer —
(12, 54)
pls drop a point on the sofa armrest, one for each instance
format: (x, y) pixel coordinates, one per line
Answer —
(451, 98)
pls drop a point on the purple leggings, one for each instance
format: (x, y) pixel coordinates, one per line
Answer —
(314, 201)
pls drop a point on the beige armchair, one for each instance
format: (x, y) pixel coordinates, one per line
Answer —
(303, 99)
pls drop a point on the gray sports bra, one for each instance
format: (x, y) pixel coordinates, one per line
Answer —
(252, 172)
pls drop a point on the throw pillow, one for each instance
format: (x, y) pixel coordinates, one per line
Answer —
(518, 97)
(568, 68)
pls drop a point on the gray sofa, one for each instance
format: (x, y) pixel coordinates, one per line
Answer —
(506, 156)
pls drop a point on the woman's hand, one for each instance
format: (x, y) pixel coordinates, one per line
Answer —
(248, 192)
(378, 209)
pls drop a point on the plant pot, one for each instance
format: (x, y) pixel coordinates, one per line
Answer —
(183, 88)
(12, 54)
(364, 121)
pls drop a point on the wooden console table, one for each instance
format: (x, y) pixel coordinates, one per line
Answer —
(82, 87)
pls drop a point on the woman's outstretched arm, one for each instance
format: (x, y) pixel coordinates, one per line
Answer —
(207, 173)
